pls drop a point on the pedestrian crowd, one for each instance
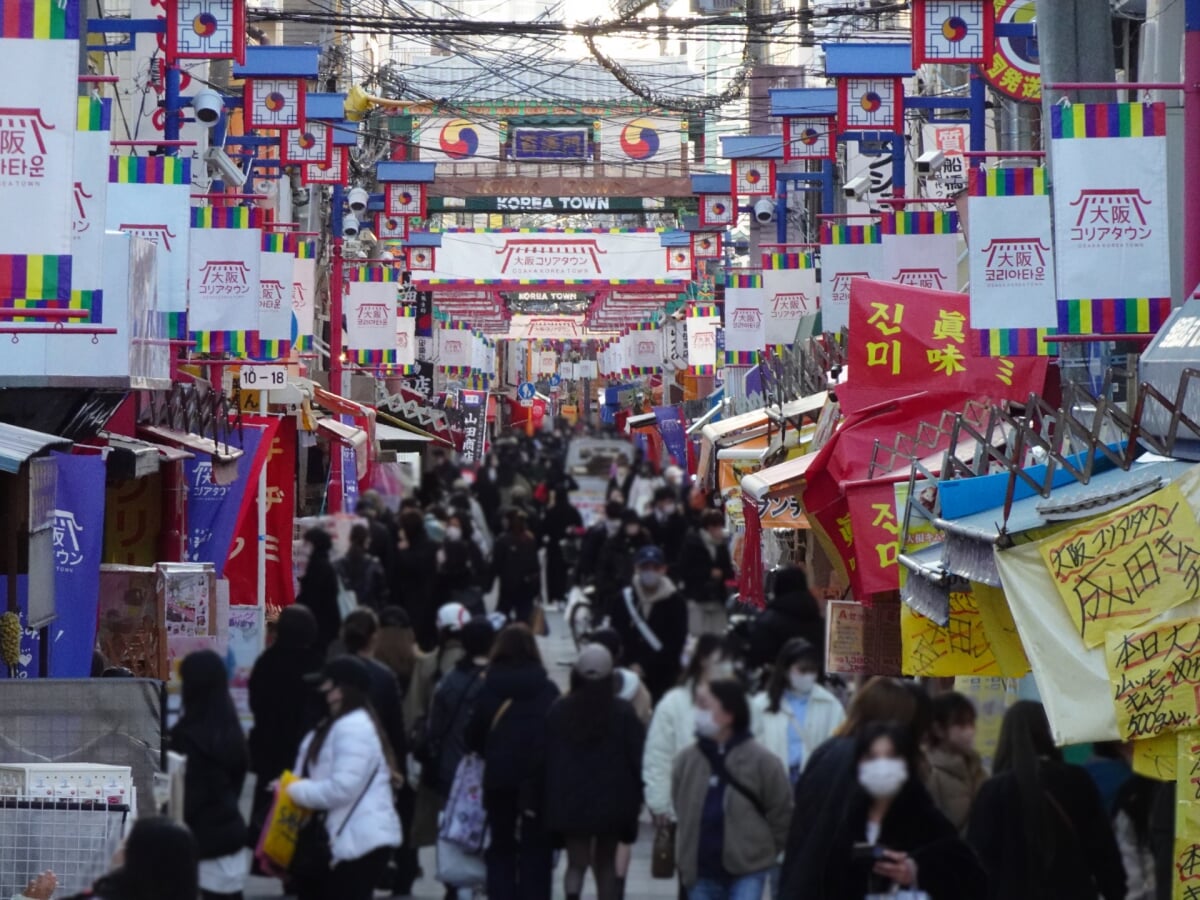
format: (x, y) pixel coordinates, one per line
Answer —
(419, 719)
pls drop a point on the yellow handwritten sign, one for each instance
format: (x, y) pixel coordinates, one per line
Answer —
(1124, 568)
(961, 648)
(1155, 674)
(1001, 630)
(1185, 884)
(1156, 757)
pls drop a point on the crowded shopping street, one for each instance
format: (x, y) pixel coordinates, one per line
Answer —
(546, 450)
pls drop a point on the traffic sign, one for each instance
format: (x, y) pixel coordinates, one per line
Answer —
(526, 391)
(263, 378)
(555, 380)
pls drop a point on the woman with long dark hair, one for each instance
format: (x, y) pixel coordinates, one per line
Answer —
(515, 563)
(319, 588)
(1038, 824)
(347, 771)
(463, 575)
(594, 746)
(415, 576)
(210, 735)
(158, 862)
(508, 729)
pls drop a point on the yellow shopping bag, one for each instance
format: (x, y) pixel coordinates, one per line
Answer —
(277, 843)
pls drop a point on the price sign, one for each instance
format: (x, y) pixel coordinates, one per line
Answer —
(263, 378)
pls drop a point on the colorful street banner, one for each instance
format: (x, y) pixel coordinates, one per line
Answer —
(473, 406)
(150, 196)
(1011, 249)
(847, 252)
(304, 288)
(223, 273)
(921, 249)
(275, 288)
(91, 189)
(453, 139)
(702, 322)
(39, 67)
(646, 344)
(641, 139)
(78, 543)
(214, 509)
(745, 329)
(672, 428)
(907, 339)
(1110, 202)
(371, 315)
(790, 292)
(455, 349)
(533, 257)
(406, 337)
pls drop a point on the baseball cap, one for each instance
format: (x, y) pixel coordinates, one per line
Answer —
(594, 662)
(349, 671)
(649, 556)
(452, 617)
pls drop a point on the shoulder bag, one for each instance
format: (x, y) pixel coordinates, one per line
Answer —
(314, 852)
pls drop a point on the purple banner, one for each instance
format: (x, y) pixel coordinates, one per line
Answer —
(27, 665)
(349, 471)
(674, 435)
(78, 544)
(212, 509)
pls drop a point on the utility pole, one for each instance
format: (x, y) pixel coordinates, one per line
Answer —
(1075, 44)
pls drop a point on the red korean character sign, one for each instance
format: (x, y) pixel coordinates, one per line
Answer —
(907, 339)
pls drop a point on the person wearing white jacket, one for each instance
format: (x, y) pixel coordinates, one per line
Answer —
(347, 771)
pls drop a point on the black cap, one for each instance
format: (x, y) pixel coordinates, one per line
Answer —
(349, 671)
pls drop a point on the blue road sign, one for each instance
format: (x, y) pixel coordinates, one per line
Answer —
(526, 391)
(555, 380)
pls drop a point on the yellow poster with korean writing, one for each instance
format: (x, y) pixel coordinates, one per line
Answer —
(961, 648)
(1156, 757)
(1155, 677)
(1126, 567)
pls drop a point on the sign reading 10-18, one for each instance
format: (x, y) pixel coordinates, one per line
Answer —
(263, 378)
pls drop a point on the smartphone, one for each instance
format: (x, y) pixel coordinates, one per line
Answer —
(866, 853)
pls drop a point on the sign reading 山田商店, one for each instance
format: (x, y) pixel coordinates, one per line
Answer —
(1110, 216)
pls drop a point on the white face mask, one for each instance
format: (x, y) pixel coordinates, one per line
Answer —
(706, 725)
(453, 533)
(720, 669)
(802, 682)
(666, 510)
(612, 526)
(882, 777)
(649, 579)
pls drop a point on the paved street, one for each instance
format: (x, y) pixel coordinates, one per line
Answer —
(558, 652)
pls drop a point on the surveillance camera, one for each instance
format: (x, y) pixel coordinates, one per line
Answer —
(208, 105)
(300, 197)
(764, 211)
(930, 162)
(220, 163)
(856, 188)
(349, 226)
(357, 200)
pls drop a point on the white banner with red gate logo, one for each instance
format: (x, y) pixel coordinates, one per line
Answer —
(790, 294)
(304, 286)
(274, 296)
(223, 273)
(371, 315)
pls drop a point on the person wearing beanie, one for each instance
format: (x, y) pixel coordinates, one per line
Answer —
(651, 616)
(594, 743)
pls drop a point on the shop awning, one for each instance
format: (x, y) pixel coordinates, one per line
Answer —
(142, 457)
(340, 405)
(778, 480)
(17, 445)
(390, 434)
(752, 424)
(221, 453)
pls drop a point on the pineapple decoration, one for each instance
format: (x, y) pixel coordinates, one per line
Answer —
(10, 641)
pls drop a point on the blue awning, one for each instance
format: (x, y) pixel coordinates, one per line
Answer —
(17, 445)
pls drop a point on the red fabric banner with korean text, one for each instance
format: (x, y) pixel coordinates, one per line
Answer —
(908, 339)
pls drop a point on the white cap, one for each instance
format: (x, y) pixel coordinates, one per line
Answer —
(452, 617)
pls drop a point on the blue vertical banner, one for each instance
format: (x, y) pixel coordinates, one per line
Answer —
(671, 427)
(213, 509)
(349, 469)
(78, 544)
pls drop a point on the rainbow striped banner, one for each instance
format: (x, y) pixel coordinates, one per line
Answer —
(1113, 316)
(175, 325)
(90, 302)
(35, 278)
(742, 357)
(233, 343)
(1023, 182)
(901, 223)
(739, 280)
(304, 248)
(374, 274)
(702, 312)
(151, 170)
(373, 357)
(1017, 342)
(226, 216)
(94, 114)
(838, 235)
(535, 282)
(1105, 120)
(42, 20)
(273, 242)
(778, 261)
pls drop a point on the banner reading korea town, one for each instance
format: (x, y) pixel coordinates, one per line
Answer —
(485, 257)
(920, 249)
(274, 297)
(745, 332)
(1011, 249)
(1110, 206)
(702, 324)
(371, 315)
(223, 273)
(847, 252)
(790, 292)
(304, 286)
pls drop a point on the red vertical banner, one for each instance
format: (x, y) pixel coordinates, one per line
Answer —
(242, 568)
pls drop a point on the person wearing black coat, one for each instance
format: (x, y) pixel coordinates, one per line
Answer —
(362, 572)
(666, 527)
(463, 575)
(594, 539)
(1038, 824)
(508, 729)
(283, 707)
(515, 563)
(892, 835)
(414, 578)
(594, 743)
(704, 567)
(793, 612)
(319, 588)
(651, 617)
(209, 734)
(560, 520)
